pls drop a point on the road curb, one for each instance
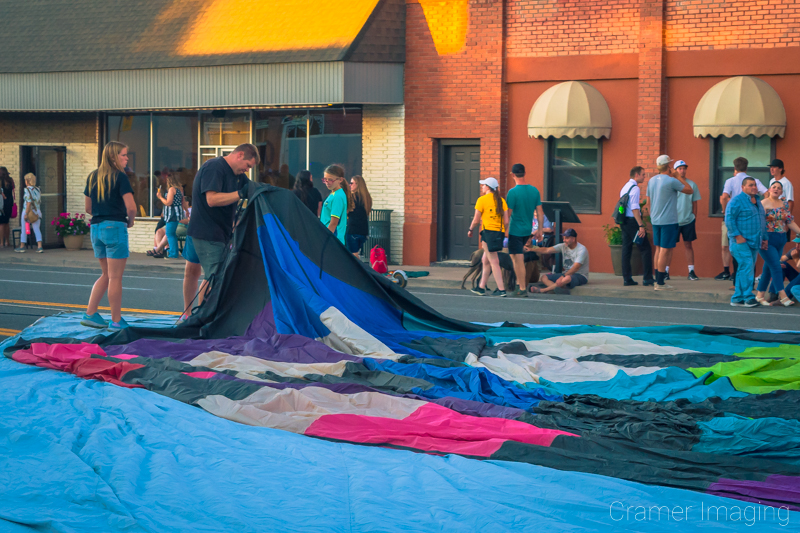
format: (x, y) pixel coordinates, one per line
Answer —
(21, 259)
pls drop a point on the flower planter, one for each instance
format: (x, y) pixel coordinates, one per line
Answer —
(73, 242)
(616, 260)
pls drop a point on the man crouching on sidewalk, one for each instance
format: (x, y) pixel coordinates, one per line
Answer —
(576, 261)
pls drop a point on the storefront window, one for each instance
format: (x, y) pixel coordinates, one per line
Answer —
(335, 137)
(757, 150)
(574, 172)
(174, 152)
(134, 131)
(281, 142)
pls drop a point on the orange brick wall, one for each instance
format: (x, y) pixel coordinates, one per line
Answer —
(652, 88)
(702, 25)
(557, 27)
(456, 96)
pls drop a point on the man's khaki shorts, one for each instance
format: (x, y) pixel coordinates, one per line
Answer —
(724, 235)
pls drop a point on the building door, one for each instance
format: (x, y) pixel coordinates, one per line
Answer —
(49, 165)
(461, 172)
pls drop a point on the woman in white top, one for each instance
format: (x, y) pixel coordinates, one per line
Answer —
(32, 208)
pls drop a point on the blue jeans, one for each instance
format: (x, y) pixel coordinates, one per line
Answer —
(172, 239)
(772, 262)
(796, 292)
(746, 257)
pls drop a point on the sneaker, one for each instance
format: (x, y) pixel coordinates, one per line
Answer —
(40, 251)
(93, 321)
(498, 292)
(116, 326)
(664, 287)
(630, 283)
(722, 276)
(751, 303)
(519, 293)
(478, 291)
(693, 276)
(666, 276)
(19, 250)
(737, 304)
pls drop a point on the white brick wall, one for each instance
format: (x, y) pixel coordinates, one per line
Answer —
(383, 164)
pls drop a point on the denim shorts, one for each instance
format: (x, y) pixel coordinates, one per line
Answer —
(189, 253)
(110, 240)
(354, 242)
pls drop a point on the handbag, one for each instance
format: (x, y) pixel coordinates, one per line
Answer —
(30, 214)
(14, 210)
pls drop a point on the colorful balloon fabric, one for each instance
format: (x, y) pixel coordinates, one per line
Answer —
(308, 393)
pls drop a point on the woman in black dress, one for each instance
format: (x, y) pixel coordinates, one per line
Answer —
(7, 188)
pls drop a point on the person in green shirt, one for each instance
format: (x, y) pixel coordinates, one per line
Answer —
(522, 201)
(338, 203)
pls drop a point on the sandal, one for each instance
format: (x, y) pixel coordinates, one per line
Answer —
(787, 301)
(763, 301)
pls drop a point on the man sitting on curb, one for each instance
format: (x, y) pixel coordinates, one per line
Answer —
(576, 261)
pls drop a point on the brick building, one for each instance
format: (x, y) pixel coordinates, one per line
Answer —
(652, 61)
(422, 97)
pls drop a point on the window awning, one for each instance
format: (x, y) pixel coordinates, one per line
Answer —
(570, 109)
(740, 106)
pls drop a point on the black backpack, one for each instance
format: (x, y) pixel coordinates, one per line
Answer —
(619, 210)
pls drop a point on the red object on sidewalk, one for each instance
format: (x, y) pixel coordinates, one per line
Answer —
(378, 261)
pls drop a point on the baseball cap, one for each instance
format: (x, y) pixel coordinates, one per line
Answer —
(679, 163)
(518, 169)
(776, 163)
(491, 182)
(569, 232)
(663, 160)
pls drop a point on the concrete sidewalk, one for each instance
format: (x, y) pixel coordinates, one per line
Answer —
(440, 277)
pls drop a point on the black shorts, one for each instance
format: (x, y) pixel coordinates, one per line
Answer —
(515, 244)
(493, 239)
(160, 224)
(688, 232)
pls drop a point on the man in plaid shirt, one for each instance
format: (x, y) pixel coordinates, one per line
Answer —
(747, 227)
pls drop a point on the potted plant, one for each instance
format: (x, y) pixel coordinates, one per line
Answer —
(71, 228)
(613, 236)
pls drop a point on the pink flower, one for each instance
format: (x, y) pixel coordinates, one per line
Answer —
(71, 223)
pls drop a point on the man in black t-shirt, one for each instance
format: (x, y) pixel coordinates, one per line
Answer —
(220, 183)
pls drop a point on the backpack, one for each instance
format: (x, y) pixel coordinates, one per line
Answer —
(619, 210)
(377, 260)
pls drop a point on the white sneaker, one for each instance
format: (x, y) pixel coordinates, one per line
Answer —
(664, 287)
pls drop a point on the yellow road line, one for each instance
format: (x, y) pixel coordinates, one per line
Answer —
(4, 332)
(81, 306)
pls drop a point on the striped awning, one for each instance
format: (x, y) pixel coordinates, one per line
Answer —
(740, 106)
(570, 109)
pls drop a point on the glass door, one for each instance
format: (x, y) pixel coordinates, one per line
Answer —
(210, 152)
(49, 165)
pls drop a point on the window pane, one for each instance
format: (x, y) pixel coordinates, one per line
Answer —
(230, 128)
(174, 152)
(755, 149)
(134, 131)
(281, 143)
(574, 175)
(335, 138)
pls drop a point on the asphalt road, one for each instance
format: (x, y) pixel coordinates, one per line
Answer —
(30, 292)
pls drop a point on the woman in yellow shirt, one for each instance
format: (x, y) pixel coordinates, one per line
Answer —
(491, 210)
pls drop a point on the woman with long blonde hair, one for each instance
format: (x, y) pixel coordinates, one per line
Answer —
(358, 219)
(109, 198)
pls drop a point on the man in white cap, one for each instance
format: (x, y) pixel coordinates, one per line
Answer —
(687, 217)
(662, 191)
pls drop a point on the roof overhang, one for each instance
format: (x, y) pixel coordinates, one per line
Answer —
(570, 109)
(279, 84)
(740, 106)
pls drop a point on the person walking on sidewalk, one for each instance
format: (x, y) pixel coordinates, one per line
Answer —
(747, 230)
(779, 218)
(662, 191)
(687, 218)
(31, 212)
(492, 212)
(523, 200)
(358, 220)
(732, 188)
(633, 231)
(109, 198)
(219, 185)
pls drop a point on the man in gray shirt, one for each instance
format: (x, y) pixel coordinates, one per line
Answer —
(687, 216)
(576, 263)
(662, 192)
